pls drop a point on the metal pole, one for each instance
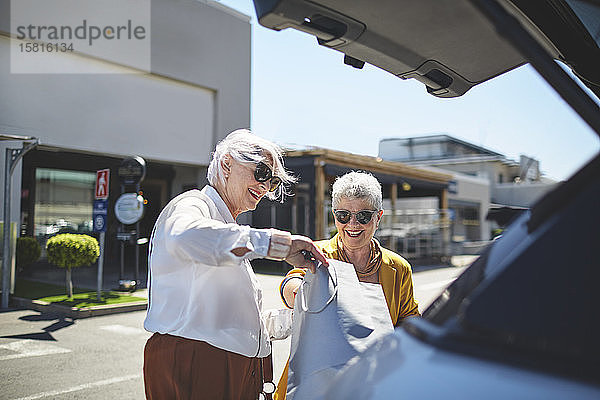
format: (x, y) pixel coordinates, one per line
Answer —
(100, 266)
(122, 270)
(136, 245)
(393, 198)
(137, 255)
(6, 256)
(12, 158)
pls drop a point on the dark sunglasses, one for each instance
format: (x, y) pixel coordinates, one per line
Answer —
(363, 216)
(263, 173)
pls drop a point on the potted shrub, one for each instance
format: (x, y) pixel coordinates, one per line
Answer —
(70, 250)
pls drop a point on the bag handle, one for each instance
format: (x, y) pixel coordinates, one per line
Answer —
(303, 304)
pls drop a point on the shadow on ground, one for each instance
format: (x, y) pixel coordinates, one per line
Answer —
(59, 322)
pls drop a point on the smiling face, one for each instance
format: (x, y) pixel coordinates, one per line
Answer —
(355, 235)
(242, 192)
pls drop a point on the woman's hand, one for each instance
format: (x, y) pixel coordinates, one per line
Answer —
(292, 249)
(296, 256)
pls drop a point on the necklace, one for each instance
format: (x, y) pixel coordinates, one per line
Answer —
(374, 263)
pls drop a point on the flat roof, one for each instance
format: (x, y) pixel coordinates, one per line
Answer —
(437, 138)
(369, 163)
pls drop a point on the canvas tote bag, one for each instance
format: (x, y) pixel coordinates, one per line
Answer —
(335, 318)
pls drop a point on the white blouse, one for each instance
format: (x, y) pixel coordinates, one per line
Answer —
(198, 289)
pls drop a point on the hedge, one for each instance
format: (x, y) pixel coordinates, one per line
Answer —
(28, 251)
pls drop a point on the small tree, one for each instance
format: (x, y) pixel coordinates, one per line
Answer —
(70, 250)
(28, 251)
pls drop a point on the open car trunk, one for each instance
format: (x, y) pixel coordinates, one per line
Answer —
(445, 44)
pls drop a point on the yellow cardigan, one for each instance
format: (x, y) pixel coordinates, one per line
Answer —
(395, 276)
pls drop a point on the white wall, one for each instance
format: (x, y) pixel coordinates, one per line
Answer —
(114, 114)
(474, 190)
(207, 45)
(469, 189)
(520, 195)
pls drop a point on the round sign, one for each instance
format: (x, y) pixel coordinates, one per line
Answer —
(132, 170)
(99, 223)
(129, 208)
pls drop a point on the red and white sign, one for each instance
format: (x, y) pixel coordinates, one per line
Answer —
(102, 179)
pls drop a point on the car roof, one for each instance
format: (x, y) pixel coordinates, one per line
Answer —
(445, 44)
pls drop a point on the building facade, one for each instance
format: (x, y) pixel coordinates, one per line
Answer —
(482, 178)
(413, 233)
(197, 91)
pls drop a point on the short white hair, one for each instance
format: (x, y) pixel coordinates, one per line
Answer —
(357, 185)
(247, 148)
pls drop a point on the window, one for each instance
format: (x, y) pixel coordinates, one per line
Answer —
(63, 202)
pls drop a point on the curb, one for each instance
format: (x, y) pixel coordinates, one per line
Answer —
(75, 312)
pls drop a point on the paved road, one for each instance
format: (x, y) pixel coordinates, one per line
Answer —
(50, 357)
(430, 283)
(45, 356)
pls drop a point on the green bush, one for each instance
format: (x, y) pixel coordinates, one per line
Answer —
(68, 250)
(28, 251)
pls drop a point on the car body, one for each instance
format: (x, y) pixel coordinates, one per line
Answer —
(522, 320)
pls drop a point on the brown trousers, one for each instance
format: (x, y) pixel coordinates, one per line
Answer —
(177, 368)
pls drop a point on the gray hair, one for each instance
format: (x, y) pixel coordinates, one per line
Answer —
(247, 148)
(357, 185)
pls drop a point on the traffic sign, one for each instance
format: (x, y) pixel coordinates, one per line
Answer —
(129, 208)
(132, 170)
(99, 214)
(100, 223)
(102, 180)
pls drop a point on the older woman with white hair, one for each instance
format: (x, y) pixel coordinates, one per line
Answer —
(205, 304)
(357, 209)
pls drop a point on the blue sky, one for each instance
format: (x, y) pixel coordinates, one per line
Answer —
(303, 94)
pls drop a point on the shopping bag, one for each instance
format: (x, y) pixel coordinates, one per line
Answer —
(335, 318)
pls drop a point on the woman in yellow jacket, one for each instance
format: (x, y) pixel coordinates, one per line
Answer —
(357, 208)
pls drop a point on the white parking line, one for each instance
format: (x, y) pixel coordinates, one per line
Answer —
(124, 330)
(82, 387)
(30, 348)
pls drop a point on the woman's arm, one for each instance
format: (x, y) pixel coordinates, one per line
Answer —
(289, 286)
(408, 305)
(190, 233)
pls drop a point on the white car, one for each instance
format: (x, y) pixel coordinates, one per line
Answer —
(524, 320)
